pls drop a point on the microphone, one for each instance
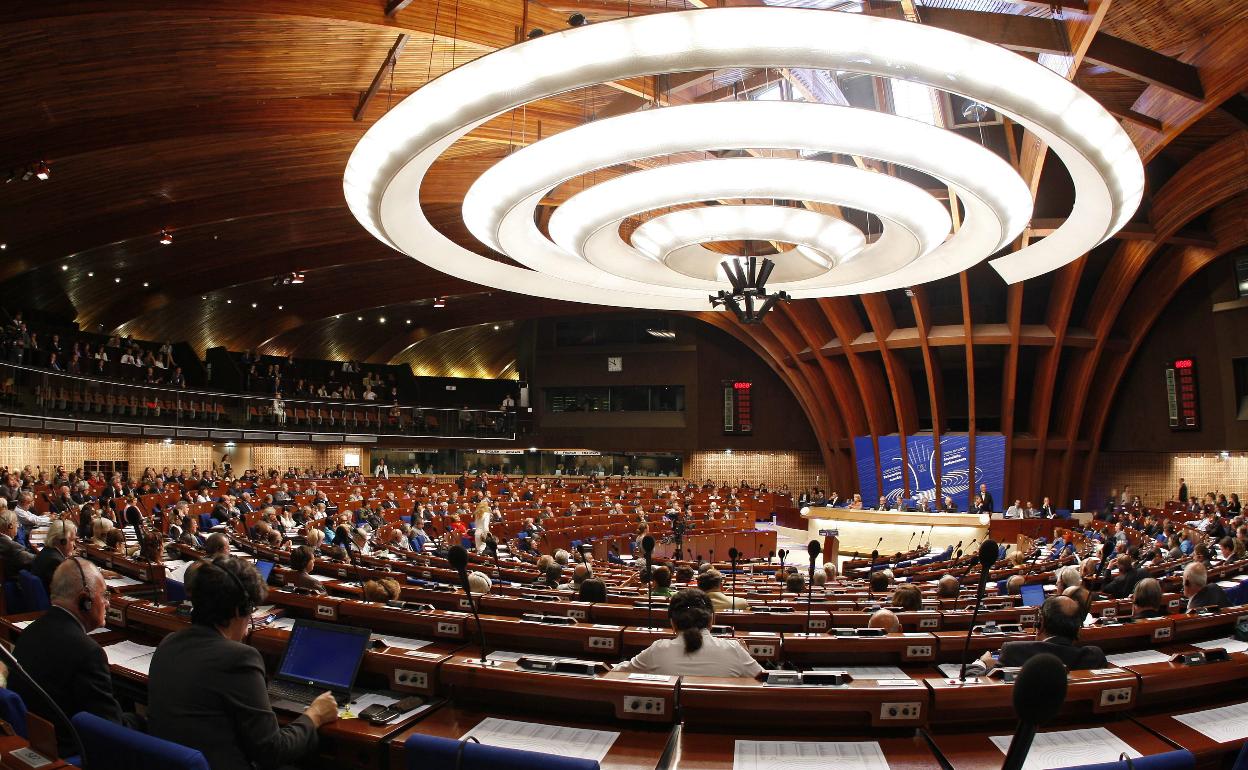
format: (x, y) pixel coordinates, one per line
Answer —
(458, 558)
(911, 540)
(1038, 694)
(782, 553)
(812, 549)
(988, 553)
(733, 554)
(647, 547)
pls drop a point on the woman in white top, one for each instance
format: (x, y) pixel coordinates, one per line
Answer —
(694, 652)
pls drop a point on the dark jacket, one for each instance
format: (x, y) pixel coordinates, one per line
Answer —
(1122, 585)
(14, 557)
(71, 667)
(45, 564)
(1018, 653)
(1211, 595)
(209, 693)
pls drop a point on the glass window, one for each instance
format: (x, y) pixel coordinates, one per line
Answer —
(1241, 276)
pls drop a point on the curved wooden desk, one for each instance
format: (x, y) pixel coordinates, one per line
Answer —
(859, 531)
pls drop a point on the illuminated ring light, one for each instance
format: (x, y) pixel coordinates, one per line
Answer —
(914, 225)
(820, 241)
(500, 207)
(384, 174)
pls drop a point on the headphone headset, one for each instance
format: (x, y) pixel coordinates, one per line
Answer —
(244, 607)
(85, 603)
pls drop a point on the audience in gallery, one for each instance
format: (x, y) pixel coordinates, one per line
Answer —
(1137, 546)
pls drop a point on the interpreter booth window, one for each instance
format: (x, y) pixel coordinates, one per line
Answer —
(1241, 276)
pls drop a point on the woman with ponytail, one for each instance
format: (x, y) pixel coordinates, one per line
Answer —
(693, 651)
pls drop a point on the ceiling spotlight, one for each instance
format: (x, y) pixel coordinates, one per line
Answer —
(229, 302)
(281, 307)
(382, 319)
(495, 327)
(146, 284)
(577, 20)
(439, 301)
(338, 315)
(166, 237)
(3, 246)
(408, 322)
(203, 296)
(64, 268)
(91, 275)
(748, 286)
(254, 304)
(536, 33)
(43, 171)
(116, 280)
(359, 318)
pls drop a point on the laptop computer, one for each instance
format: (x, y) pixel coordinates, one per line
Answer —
(1033, 594)
(265, 568)
(318, 657)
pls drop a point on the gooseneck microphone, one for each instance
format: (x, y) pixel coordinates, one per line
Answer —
(458, 558)
(733, 553)
(812, 549)
(911, 540)
(647, 547)
(988, 553)
(1038, 694)
(782, 553)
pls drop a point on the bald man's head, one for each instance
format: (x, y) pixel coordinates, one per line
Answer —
(1059, 616)
(886, 620)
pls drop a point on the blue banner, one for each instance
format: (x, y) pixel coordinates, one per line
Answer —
(864, 457)
(990, 467)
(920, 464)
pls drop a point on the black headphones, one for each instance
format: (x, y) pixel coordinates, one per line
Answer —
(85, 603)
(244, 607)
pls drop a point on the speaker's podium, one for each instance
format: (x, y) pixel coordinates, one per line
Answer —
(857, 532)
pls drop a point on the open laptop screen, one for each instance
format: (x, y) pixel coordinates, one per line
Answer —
(323, 654)
(1033, 594)
(265, 568)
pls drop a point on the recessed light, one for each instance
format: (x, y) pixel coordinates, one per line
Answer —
(229, 302)
(91, 275)
(146, 284)
(408, 321)
(254, 304)
(338, 315)
(382, 319)
(495, 327)
(64, 268)
(281, 307)
(116, 280)
(3, 246)
(204, 296)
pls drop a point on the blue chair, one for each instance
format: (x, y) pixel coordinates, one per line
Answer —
(175, 591)
(13, 711)
(1169, 760)
(14, 602)
(112, 746)
(1241, 761)
(32, 588)
(426, 752)
(206, 522)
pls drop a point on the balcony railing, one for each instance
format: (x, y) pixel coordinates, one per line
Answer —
(54, 396)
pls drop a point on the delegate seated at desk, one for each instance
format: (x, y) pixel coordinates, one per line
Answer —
(207, 688)
(694, 652)
(1057, 629)
(57, 651)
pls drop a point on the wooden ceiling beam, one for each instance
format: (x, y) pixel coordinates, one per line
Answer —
(1136, 61)
(387, 66)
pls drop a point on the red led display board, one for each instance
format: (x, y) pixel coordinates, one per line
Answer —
(738, 407)
(1181, 394)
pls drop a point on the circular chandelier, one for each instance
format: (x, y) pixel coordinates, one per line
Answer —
(664, 263)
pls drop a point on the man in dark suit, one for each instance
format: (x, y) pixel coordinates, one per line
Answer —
(986, 497)
(1199, 591)
(1057, 628)
(63, 659)
(1121, 586)
(13, 556)
(62, 539)
(1182, 491)
(207, 688)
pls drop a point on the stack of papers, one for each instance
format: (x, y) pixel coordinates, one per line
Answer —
(127, 654)
(1224, 725)
(1137, 658)
(868, 672)
(574, 742)
(402, 642)
(1227, 643)
(846, 755)
(121, 581)
(1070, 748)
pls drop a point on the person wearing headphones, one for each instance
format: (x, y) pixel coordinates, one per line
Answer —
(207, 688)
(57, 651)
(60, 544)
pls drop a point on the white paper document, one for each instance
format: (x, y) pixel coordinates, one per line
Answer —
(121, 581)
(380, 699)
(22, 624)
(1226, 643)
(868, 672)
(1225, 724)
(176, 570)
(803, 755)
(1137, 658)
(127, 654)
(574, 742)
(1070, 748)
(284, 623)
(402, 642)
(505, 656)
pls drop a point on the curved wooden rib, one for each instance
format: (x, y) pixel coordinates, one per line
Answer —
(881, 317)
(935, 384)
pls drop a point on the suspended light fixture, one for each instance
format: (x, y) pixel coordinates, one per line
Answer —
(748, 300)
(585, 259)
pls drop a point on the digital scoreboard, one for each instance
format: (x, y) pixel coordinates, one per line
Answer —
(1181, 394)
(738, 407)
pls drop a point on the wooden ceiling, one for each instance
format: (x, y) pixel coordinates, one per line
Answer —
(229, 123)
